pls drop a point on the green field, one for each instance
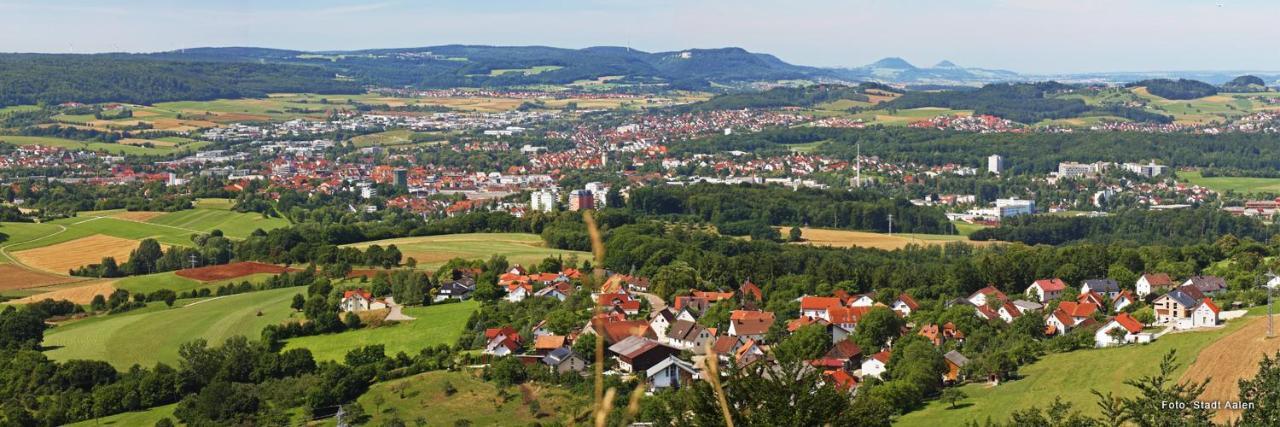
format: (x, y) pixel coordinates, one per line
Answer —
(1071, 376)
(908, 116)
(17, 108)
(1222, 184)
(153, 334)
(475, 400)
(965, 229)
(173, 228)
(526, 71)
(169, 280)
(433, 251)
(91, 146)
(432, 325)
(233, 224)
(398, 137)
(21, 232)
(139, 418)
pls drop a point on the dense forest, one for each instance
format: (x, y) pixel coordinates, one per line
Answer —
(1180, 89)
(1175, 227)
(1020, 102)
(807, 96)
(1026, 153)
(53, 79)
(738, 210)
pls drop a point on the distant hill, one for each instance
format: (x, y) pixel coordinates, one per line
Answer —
(1177, 89)
(54, 79)
(898, 70)
(1021, 102)
(806, 96)
(491, 66)
(1245, 84)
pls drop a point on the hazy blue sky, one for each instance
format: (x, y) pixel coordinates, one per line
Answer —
(1021, 35)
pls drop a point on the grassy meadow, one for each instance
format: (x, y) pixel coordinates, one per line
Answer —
(1244, 185)
(474, 400)
(432, 325)
(1070, 376)
(153, 334)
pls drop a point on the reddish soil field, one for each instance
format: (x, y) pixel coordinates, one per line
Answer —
(14, 278)
(231, 271)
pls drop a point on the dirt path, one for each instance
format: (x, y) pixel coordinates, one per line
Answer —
(1228, 360)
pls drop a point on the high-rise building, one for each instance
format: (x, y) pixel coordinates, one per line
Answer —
(402, 177)
(581, 199)
(544, 200)
(995, 164)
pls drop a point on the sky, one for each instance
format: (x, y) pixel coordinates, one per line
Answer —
(1030, 36)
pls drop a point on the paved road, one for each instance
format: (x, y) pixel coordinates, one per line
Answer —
(655, 302)
(395, 315)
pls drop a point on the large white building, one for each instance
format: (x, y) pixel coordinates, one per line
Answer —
(599, 192)
(1014, 207)
(544, 200)
(995, 164)
(1151, 169)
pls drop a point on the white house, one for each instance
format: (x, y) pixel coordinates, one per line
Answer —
(1205, 314)
(863, 300)
(876, 364)
(1132, 331)
(904, 305)
(670, 373)
(517, 292)
(686, 335)
(1106, 287)
(979, 298)
(1149, 283)
(1045, 290)
(360, 300)
(661, 320)
(1121, 301)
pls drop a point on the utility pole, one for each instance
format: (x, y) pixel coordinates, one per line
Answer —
(858, 159)
(1271, 287)
(193, 260)
(890, 224)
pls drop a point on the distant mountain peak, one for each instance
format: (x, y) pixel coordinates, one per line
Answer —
(893, 63)
(946, 64)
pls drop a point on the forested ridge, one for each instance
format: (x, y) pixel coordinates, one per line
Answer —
(1020, 102)
(1174, 227)
(53, 79)
(1025, 153)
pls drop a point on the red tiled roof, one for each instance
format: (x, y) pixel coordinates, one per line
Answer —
(1051, 285)
(1208, 302)
(819, 303)
(1129, 323)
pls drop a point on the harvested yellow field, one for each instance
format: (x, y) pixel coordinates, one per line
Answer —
(140, 216)
(79, 294)
(13, 277)
(140, 141)
(1230, 359)
(63, 257)
(864, 239)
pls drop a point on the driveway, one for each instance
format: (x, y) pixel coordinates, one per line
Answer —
(655, 302)
(395, 315)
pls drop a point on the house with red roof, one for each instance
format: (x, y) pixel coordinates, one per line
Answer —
(1068, 316)
(1132, 331)
(979, 298)
(1152, 282)
(819, 306)
(750, 290)
(1205, 314)
(750, 324)
(876, 365)
(360, 300)
(1045, 290)
(904, 305)
(502, 341)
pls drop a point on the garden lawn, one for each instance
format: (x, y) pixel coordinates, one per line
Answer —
(1070, 376)
(433, 325)
(233, 224)
(153, 334)
(137, 418)
(473, 400)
